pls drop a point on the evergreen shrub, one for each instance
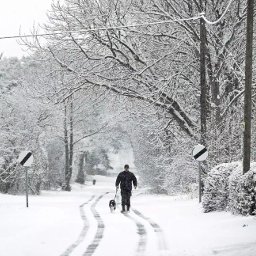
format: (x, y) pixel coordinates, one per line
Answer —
(226, 188)
(216, 187)
(242, 192)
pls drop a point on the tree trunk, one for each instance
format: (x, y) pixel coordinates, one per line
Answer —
(248, 88)
(80, 175)
(66, 177)
(71, 140)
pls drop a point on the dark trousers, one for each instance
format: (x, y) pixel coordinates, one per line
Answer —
(126, 195)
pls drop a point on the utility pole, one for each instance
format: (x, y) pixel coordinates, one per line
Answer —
(203, 96)
(203, 86)
(248, 88)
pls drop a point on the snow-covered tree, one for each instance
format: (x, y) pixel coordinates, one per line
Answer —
(157, 68)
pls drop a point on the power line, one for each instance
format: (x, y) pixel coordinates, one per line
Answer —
(218, 20)
(120, 27)
(102, 28)
(31, 35)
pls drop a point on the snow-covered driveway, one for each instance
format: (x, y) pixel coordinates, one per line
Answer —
(80, 223)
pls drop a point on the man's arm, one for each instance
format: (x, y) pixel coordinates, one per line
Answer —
(134, 180)
(118, 180)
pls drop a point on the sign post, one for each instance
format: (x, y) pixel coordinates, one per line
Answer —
(200, 154)
(26, 159)
(199, 181)
(27, 187)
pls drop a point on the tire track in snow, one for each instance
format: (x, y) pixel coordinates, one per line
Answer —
(100, 229)
(162, 246)
(141, 231)
(83, 233)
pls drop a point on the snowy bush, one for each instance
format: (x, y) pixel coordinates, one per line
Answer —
(216, 187)
(226, 188)
(242, 191)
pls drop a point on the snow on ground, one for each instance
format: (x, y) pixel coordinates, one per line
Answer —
(80, 223)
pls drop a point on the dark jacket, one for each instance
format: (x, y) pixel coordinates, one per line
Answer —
(126, 178)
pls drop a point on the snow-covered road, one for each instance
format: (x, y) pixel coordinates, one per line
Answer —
(79, 222)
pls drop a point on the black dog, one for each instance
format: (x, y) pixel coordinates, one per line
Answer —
(112, 205)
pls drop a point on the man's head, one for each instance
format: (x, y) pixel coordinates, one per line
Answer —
(126, 167)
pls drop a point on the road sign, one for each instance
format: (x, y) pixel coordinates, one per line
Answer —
(25, 158)
(200, 153)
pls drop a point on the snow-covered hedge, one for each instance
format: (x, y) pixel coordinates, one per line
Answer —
(242, 191)
(216, 187)
(226, 188)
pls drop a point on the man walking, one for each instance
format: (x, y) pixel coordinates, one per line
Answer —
(125, 179)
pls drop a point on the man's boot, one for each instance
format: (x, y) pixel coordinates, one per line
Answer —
(128, 208)
(123, 209)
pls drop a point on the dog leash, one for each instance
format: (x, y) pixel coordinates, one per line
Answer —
(116, 193)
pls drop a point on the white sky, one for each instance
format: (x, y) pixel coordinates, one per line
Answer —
(16, 15)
